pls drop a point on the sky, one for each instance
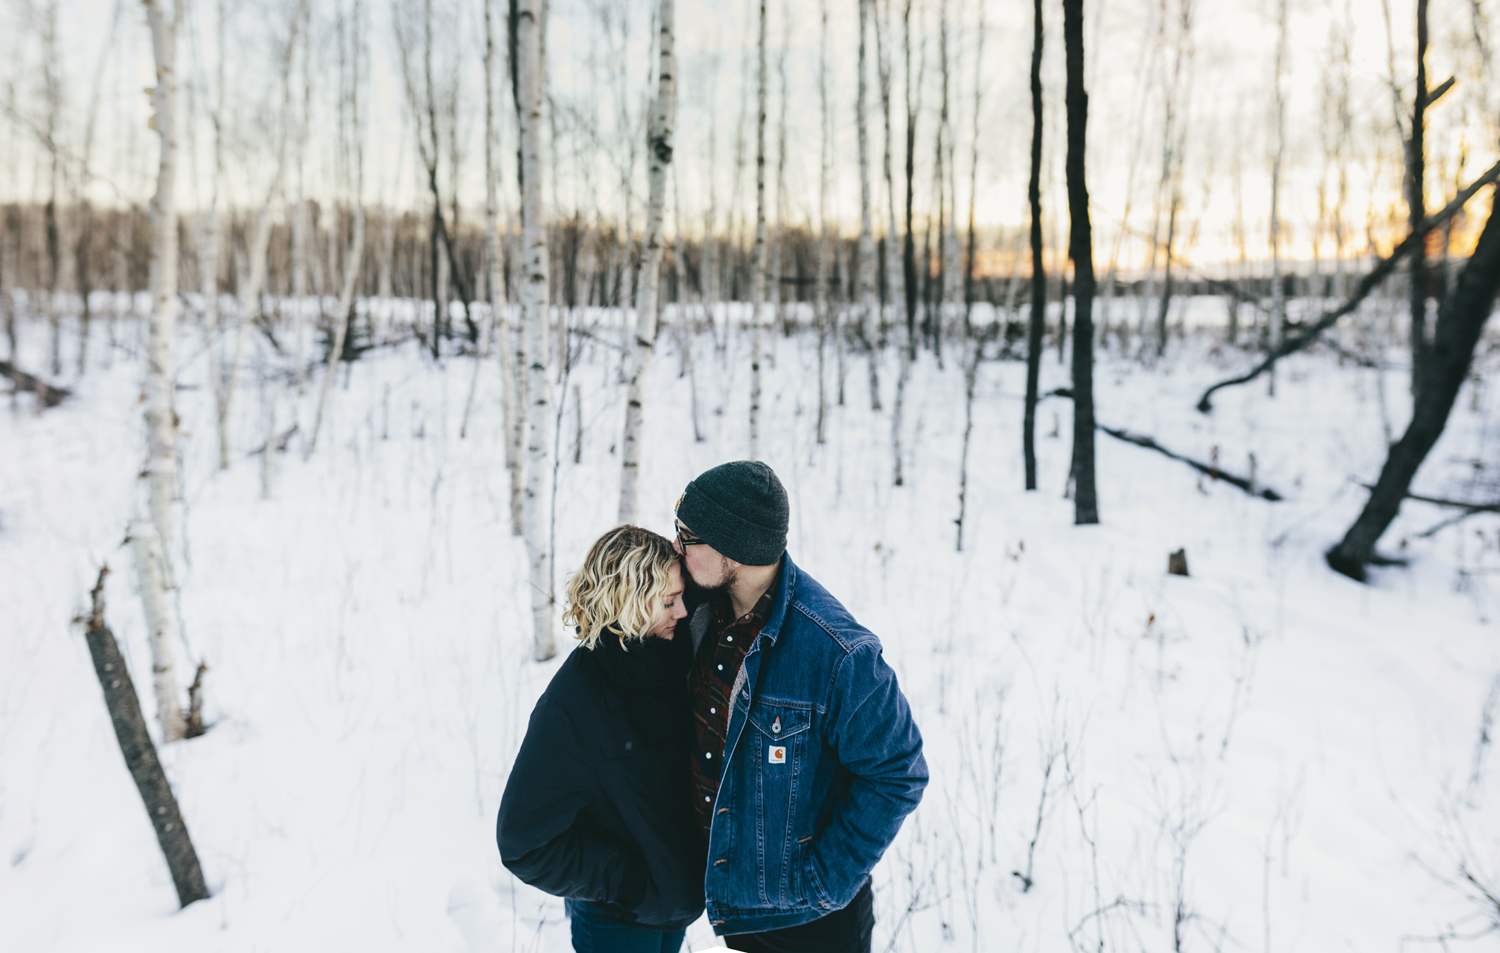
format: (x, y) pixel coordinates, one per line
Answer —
(598, 50)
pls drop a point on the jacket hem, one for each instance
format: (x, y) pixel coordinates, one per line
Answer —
(764, 921)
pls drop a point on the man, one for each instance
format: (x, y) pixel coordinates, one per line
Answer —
(806, 758)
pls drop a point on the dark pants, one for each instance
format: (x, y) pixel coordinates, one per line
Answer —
(593, 932)
(842, 931)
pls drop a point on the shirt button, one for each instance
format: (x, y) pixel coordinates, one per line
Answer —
(629, 745)
(721, 668)
(709, 755)
(707, 798)
(713, 711)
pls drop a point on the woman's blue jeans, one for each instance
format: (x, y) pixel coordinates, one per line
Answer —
(595, 933)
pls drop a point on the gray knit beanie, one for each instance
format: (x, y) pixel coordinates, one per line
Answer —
(740, 509)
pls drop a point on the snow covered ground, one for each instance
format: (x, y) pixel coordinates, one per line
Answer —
(1261, 756)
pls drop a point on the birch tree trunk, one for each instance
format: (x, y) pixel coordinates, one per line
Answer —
(208, 249)
(161, 418)
(341, 322)
(149, 536)
(531, 80)
(1278, 290)
(758, 281)
(892, 254)
(867, 316)
(249, 292)
(151, 571)
(299, 231)
(971, 351)
(909, 254)
(825, 173)
(658, 157)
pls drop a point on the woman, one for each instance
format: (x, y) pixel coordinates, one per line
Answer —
(596, 809)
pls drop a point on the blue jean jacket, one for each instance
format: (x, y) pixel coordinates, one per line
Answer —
(821, 765)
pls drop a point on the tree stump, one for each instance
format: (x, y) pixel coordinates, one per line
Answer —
(1177, 563)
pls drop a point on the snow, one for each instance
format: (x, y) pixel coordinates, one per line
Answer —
(1288, 758)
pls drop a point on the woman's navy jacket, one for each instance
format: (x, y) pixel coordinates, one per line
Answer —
(596, 810)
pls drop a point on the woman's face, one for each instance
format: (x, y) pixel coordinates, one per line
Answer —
(670, 609)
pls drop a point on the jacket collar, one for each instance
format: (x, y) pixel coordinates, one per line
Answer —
(786, 584)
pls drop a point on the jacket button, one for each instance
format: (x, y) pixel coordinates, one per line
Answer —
(629, 745)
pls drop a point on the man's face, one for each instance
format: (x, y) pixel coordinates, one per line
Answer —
(709, 569)
(671, 608)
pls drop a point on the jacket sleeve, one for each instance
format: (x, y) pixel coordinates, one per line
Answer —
(871, 731)
(544, 838)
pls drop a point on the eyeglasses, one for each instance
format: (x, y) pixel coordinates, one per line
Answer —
(684, 537)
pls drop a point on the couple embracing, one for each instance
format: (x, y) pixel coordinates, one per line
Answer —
(725, 734)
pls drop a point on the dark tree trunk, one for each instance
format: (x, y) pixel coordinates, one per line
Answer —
(1085, 501)
(1459, 324)
(1415, 172)
(84, 261)
(1038, 275)
(140, 755)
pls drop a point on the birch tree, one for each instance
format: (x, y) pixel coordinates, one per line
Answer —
(658, 157)
(825, 174)
(758, 280)
(1278, 291)
(892, 254)
(909, 251)
(530, 91)
(208, 247)
(499, 318)
(160, 473)
(867, 317)
(357, 240)
(250, 290)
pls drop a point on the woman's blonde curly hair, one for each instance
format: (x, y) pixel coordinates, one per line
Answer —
(621, 585)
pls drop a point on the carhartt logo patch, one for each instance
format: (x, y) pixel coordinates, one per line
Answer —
(776, 754)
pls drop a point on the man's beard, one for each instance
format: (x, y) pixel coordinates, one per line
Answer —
(724, 584)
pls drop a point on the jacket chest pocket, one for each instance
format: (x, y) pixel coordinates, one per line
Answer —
(779, 733)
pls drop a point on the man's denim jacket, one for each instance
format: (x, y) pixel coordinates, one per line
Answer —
(821, 764)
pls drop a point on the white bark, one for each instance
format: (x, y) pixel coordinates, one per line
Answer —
(1278, 296)
(648, 285)
(249, 292)
(208, 249)
(532, 79)
(161, 419)
(341, 322)
(825, 173)
(150, 535)
(758, 280)
(150, 567)
(867, 316)
(300, 223)
(893, 275)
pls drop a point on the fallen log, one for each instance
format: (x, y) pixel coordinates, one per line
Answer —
(1211, 469)
(140, 754)
(1142, 440)
(49, 395)
(1379, 273)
